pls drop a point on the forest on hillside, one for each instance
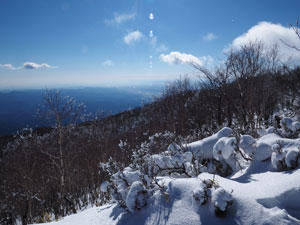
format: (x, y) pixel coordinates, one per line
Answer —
(56, 170)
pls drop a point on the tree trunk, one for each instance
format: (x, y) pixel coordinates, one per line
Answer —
(62, 171)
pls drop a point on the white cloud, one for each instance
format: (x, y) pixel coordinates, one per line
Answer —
(27, 65)
(8, 66)
(133, 37)
(120, 18)
(108, 63)
(180, 58)
(271, 34)
(33, 65)
(209, 37)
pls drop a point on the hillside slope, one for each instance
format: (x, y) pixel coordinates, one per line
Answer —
(260, 197)
(261, 192)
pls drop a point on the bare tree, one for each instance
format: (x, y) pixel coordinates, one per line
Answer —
(240, 87)
(60, 112)
(296, 29)
(217, 81)
(249, 66)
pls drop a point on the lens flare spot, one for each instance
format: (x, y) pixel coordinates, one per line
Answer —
(151, 16)
(151, 33)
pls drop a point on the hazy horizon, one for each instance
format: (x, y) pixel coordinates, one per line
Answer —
(20, 106)
(161, 83)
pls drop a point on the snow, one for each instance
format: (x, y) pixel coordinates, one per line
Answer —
(277, 161)
(290, 124)
(248, 144)
(134, 197)
(263, 151)
(93, 216)
(224, 147)
(204, 147)
(173, 147)
(199, 194)
(264, 145)
(263, 132)
(291, 158)
(267, 191)
(221, 199)
(131, 176)
(104, 186)
(259, 197)
(171, 161)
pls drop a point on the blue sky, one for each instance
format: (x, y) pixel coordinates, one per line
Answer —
(49, 43)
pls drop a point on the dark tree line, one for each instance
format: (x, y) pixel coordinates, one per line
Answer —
(55, 171)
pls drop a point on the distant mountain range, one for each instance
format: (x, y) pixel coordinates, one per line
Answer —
(18, 108)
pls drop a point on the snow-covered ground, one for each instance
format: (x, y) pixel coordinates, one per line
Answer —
(265, 191)
(260, 197)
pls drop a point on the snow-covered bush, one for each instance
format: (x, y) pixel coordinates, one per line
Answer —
(221, 153)
(210, 191)
(290, 127)
(203, 148)
(263, 132)
(216, 153)
(222, 200)
(136, 197)
(291, 158)
(284, 158)
(248, 144)
(226, 150)
(104, 186)
(131, 186)
(263, 151)
(202, 194)
(124, 185)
